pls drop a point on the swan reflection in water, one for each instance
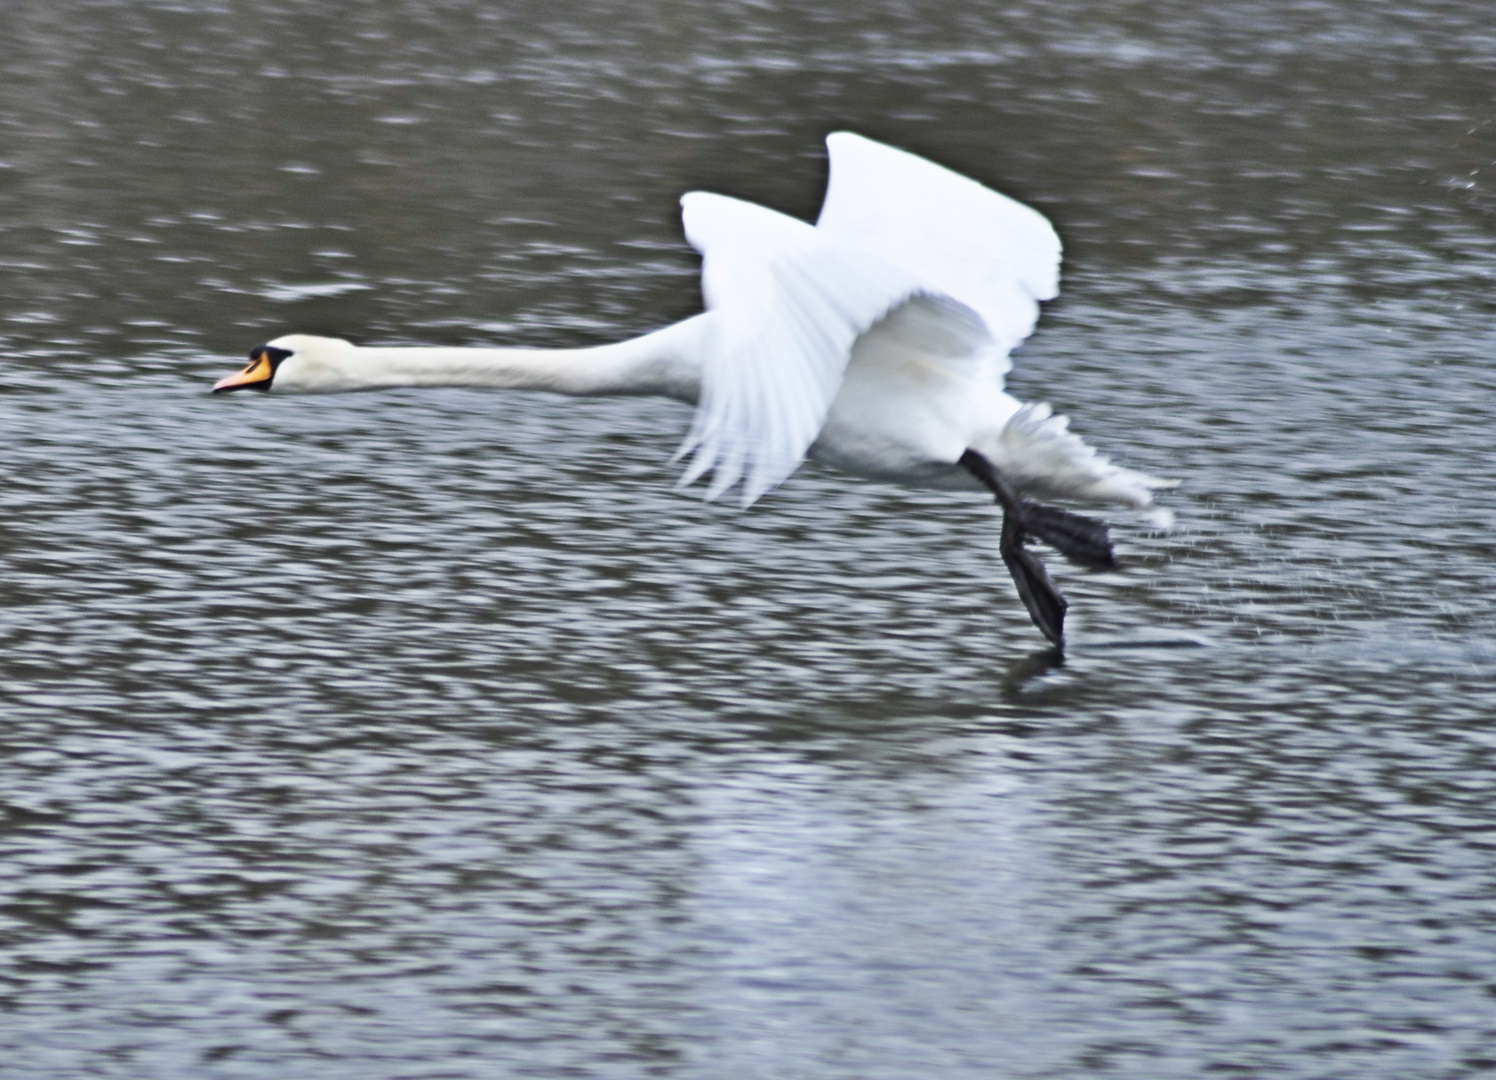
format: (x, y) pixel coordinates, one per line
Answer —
(874, 341)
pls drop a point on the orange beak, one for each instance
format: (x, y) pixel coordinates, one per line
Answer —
(254, 377)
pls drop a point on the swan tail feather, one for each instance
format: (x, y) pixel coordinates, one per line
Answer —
(1038, 452)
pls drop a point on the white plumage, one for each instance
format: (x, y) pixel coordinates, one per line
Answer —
(996, 256)
(875, 341)
(788, 304)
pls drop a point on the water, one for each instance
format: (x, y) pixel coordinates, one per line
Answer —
(432, 735)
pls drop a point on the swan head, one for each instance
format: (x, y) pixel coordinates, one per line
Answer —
(296, 362)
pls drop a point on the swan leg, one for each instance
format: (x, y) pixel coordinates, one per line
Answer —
(1080, 539)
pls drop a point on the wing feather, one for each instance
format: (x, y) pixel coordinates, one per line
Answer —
(789, 300)
(788, 303)
(993, 254)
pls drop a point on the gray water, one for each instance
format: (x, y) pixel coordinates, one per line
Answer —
(432, 734)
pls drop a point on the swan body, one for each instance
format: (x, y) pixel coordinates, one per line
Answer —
(875, 341)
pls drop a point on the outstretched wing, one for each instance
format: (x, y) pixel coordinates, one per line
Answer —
(993, 254)
(788, 301)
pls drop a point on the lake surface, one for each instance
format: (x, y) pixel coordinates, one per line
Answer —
(433, 734)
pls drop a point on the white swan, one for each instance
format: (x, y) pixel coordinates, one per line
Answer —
(875, 341)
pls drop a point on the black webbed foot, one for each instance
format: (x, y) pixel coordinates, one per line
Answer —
(1046, 606)
(1080, 539)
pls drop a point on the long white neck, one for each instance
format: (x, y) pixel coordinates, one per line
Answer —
(664, 363)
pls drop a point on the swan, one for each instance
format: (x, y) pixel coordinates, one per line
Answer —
(874, 341)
